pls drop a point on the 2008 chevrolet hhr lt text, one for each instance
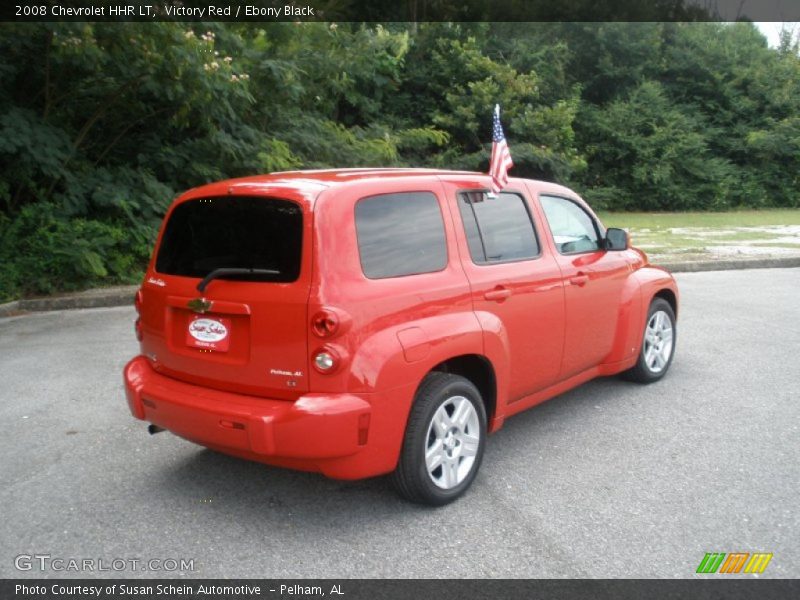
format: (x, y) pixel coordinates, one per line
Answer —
(363, 322)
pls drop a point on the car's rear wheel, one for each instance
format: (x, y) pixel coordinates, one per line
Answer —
(444, 441)
(658, 344)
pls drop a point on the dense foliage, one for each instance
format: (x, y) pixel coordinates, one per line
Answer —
(102, 124)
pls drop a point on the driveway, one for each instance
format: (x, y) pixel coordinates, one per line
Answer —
(612, 479)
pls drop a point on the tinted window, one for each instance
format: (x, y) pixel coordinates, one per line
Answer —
(400, 234)
(572, 228)
(498, 229)
(233, 231)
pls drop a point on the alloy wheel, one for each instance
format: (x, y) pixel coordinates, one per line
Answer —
(658, 341)
(452, 442)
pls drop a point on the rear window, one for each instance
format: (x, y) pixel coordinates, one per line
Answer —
(400, 234)
(233, 231)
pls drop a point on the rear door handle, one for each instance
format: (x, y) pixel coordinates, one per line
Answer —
(580, 279)
(498, 294)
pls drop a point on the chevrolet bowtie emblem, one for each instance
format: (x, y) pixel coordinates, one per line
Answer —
(200, 305)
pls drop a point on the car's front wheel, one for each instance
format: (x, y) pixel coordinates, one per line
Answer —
(658, 344)
(444, 441)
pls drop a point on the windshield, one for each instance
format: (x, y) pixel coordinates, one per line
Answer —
(233, 232)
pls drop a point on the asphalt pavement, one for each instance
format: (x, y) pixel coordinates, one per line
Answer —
(612, 479)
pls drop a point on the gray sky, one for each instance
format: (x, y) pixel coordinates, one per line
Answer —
(773, 29)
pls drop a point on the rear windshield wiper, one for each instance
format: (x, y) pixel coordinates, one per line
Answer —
(225, 271)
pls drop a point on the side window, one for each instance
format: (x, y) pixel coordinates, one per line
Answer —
(400, 234)
(573, 229)
(498, 229)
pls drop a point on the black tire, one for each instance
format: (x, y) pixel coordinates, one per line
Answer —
(642, 372)
(411, 477)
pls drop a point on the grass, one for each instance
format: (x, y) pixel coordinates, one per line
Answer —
(715, 220)
(692, 235)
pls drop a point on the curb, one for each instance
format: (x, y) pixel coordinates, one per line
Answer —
(9, 309)
(731, 265)
(96, 298)
(123, 295)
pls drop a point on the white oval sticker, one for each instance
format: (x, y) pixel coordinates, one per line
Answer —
(207, 330)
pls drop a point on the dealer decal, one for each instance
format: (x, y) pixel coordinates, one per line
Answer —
(208, 333)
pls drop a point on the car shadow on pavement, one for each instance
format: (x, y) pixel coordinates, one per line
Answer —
(224, 481)
(269, 495)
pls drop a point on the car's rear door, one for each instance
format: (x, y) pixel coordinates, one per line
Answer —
(516, 288)
(243, 333)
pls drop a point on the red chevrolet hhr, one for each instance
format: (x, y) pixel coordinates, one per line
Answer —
(372, 321)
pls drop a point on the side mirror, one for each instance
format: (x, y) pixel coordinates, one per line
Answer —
(617, 239)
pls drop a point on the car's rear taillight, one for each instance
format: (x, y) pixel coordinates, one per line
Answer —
(326, 361)
(328, 323)
(137, 303)
(325, 324)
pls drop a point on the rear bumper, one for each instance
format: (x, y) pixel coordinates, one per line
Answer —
(314, 427)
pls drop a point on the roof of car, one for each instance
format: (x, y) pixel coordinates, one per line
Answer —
(309, 183)
(333, 175)
(328, 177)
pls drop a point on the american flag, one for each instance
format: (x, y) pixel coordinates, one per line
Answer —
(501, 157)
